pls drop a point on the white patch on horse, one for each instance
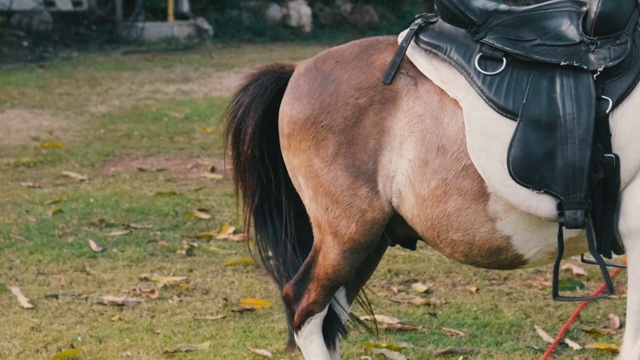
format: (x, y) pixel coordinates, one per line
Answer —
(340, 304)
(531, 236)
(630, 232)
(310, 339)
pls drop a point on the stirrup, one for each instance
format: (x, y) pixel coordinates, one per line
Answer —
(593, 262)
(598, 260)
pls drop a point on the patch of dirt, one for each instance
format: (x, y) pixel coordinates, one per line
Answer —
(22, 127)
(179, 82)
(191, 168)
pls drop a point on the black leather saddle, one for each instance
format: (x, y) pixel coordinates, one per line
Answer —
(558, 69)
(588, 35)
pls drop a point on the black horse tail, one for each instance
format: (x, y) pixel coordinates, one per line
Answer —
(282, 228)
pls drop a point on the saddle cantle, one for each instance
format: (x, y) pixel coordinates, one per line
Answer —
(562, 143)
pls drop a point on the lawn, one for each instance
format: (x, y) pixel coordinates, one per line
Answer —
(114, 179)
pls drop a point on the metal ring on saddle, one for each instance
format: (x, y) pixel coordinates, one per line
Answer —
(610, 103)
(504, 65)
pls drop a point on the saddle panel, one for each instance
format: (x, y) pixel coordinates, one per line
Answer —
(606, 17)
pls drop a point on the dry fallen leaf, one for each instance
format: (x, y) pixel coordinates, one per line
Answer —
(30, 184)
(390, 354)
(56, 211)
(604, 346)
(202, 214)
(120, 301)
(165, 280)
(119, 233)
(543, 334)
(51, 145)
(95, 247)
(614, 322)
(454, 332)
(181, 348)
(117, 318)
(24, 302)
(212, 176)
(152, 294)
(420, 288)
(175, 299)
(75, 176)
(473, 289)
(67, 354)
(138, 226)
(575, 269)
(383, 319)
(393, 347)
(261, 352)
(239, 261)
(255, 303)
(572, 344)
(210, 318)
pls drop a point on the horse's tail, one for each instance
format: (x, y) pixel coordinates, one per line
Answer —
(282, 228)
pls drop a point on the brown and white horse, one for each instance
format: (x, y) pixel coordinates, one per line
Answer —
(332, 165)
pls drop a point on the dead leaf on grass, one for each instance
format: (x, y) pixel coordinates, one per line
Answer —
(117, 318)
(615, 348)
(51, 145)
(182, 348)
(75, 176)
(393, 347)
(241, 310)
(239, 261)
(543, 334)
(597, 332)
(473, 289)
(152, 294)
(454, 332)
(251, 303)
(202, 214)
(165, 280)
(212, 176)
(22, 300)
(389, 354)
(420, 288)
(227, 233)
(56, 211)
(95, 247)
(54, 201)
(67, 354)
(453, 350)
(572, 344)
(30, 184)
(175, 299)
(119, 233)
(383, 319)
(261, 352)
(120, 301)
(614, 322)
(575, 269)
(210, 318)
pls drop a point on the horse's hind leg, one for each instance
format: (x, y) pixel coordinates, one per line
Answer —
(630, 231)
(319, 297)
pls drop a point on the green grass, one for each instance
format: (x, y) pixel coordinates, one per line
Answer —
(144, 128)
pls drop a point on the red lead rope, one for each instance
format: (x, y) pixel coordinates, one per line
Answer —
(573, 317)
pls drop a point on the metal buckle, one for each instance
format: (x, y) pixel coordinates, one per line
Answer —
(504, 65)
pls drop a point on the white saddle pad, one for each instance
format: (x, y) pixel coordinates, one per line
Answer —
(488, 135)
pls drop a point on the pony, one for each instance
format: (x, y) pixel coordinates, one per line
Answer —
(333, 166)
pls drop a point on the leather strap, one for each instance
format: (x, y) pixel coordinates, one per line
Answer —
(418, 22)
